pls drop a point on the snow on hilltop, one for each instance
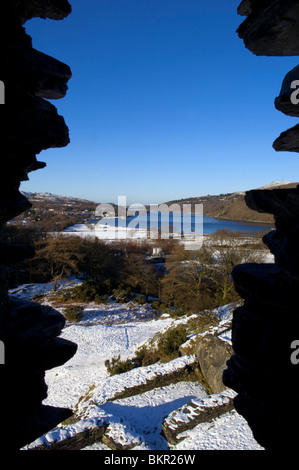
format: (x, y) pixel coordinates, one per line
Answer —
(276, 184)
(135, 421)
(53, 197)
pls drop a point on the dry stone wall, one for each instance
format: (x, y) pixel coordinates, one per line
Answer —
(265, 326)
(29, 125)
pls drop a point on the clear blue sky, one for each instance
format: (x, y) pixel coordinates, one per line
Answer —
(165, 102)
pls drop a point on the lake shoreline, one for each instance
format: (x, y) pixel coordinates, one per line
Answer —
(178, 223)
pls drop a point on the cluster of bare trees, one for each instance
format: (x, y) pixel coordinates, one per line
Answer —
(201, 279)
(188, 280)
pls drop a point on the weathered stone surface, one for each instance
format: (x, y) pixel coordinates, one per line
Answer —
(265, 326)
(284, 249)
(255, 336)
(13, 253)
(288, 141)
(41, 74)
(30, 335)
(283, 102)
(212, 354)
(195, 412)
(265, 284)
(32, 425)
(245, 8)
(38, 123)
(29, 124)
(282, 203)
(273, 420)
(118, 437)
(282, 242)
(12, 203)
(54, 9)
(271, 27)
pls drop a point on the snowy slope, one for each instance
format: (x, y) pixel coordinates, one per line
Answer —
(135, 419)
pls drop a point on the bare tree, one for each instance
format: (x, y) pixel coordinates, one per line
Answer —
(229, 252)
(187, 280)
(59, 255)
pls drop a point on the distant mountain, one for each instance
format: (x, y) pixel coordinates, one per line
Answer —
(49, 197)
(232, 206)
(229, 206)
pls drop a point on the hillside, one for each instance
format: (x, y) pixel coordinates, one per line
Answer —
(232, 206)
(50, 212)
(229, 206)
(59, 203)
(127, 411)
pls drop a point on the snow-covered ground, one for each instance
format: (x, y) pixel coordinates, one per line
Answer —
(136, 418)
(105, 232)
(110, 233)
(190, 241)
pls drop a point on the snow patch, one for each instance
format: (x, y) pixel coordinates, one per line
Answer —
(135, 420)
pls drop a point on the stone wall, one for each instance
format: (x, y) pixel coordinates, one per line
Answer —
(261, 370)
(29, 125)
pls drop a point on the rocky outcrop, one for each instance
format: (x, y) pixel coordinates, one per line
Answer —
(288, 141)
(271, 27)
(29, 124)
(212, 353)
(267, 323)
(286, 102)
